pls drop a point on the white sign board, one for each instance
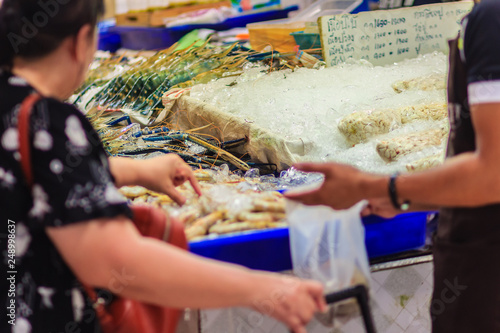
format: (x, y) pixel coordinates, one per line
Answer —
(387, 36)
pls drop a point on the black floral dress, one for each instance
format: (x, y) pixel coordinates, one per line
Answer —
(72, 184)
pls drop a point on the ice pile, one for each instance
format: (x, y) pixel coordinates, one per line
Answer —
(308, 104)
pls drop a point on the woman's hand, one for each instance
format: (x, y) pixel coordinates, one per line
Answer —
(289, 300)
(343, 186)
(163, 174)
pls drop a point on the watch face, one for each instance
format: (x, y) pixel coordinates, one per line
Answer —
(405, 206)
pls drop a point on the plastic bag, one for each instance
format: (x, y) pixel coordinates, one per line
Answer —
(361, 126)
(426, 163)
(435, 81)
(329, 246)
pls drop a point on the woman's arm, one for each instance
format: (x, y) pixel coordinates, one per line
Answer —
(160, 174)
(126, 171)
(111, 254)
(467, 180)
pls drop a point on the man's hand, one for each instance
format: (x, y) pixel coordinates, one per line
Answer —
(381, 207)
(343, 186)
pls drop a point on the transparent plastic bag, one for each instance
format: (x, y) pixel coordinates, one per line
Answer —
(329, 246)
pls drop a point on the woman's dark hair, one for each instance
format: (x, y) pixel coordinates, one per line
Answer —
(34, 28)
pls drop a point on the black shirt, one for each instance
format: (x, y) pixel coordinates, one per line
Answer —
(474, 79)
(467, 242)
(72, 184)
(481, 42)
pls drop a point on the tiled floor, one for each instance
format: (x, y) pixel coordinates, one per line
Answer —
(400, 303)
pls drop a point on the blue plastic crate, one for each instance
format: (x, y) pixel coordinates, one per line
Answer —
(142, 38)
(389, 236)
(270, 249)
(266, 250)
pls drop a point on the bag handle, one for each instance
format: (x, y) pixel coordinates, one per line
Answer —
(23, 125)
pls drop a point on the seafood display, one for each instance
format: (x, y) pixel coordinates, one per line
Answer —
(230, 204)
(121, 137)
(122, 97)
(404, 121)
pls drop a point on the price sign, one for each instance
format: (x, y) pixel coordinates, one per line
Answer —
(387, 36)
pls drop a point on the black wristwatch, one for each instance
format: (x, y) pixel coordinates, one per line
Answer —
(393, 194)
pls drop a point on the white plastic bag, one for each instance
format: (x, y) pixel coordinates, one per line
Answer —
(328, 245)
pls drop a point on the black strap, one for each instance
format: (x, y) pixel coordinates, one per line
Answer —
(393, 194)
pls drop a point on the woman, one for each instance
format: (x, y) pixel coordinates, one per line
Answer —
(74, 227)
(466, 294)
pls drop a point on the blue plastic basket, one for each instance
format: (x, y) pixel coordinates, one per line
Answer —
(266, 250)
(109, 42)
(270, 249)
(139, 38)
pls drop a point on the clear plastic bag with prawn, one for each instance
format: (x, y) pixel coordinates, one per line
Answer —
(329, 246)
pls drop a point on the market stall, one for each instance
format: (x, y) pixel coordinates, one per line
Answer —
(367, 90)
